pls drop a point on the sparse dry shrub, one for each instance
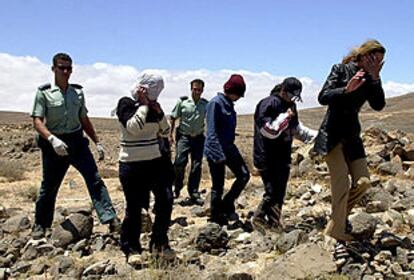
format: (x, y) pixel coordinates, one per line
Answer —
(30, 193)
(174, 271)
(12, 170)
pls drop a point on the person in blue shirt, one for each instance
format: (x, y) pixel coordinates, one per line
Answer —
(221, 151)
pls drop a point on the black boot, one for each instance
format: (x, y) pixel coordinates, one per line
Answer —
(274, 215)
(259, 219)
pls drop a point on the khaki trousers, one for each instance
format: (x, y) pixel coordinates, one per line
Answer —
(344, 194)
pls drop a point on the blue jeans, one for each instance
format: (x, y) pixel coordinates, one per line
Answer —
(138, 179)
(54, 169)
(188, 145)
(221, 206)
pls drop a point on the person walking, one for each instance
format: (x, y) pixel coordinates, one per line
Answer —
(276, 123)
(221, 151)
(349, 85)
(189, 140)
(60, 118)
(142, 167)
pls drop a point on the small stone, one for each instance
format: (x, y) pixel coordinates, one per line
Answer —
(96, 268)
(39, 268)
(16, 224)
(376, 206)
(21, 267)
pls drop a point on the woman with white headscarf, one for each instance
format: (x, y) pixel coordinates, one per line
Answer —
(142, 122)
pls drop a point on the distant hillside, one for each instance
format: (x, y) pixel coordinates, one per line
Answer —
(398, 114)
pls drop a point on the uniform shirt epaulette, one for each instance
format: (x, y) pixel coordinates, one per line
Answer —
(45, 86)
(184, 98)
(76, 86)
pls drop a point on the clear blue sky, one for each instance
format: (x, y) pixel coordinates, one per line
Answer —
(301, 38)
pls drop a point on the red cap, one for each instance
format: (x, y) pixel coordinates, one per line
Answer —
(235, 85)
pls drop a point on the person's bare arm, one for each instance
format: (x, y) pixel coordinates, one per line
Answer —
(171, 135)
(89, 129)
(41, 128)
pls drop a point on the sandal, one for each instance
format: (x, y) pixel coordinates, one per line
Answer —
(340, 251)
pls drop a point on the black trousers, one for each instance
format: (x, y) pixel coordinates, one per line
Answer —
(275, 178)
(225, 205)
(187, 145)
(138, 179)
(54, 170)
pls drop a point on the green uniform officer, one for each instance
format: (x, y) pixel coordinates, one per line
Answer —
(189, 140)
(60, 117)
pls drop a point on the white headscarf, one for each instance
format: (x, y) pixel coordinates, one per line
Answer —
(154, 84)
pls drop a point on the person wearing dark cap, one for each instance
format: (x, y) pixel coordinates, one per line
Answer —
(221, 151)
(349, 85)
(276, 123)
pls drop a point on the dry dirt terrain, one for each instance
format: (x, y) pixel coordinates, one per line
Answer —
(246, 254)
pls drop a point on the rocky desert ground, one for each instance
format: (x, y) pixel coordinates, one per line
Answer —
(384, 220)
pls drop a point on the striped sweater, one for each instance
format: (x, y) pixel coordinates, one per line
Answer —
(139, 137)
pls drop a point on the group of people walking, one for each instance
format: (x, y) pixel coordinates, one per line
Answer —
(60, 117)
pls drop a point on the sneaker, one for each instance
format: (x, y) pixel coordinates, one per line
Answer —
(340, 253)
(115, 225)
(38, 232)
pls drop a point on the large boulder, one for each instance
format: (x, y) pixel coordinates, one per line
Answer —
(307, 261)
(289, 240)
(390, 168)
(363, 225)
(76, 227)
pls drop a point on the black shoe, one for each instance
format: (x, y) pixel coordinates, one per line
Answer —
(115, 225)
(38, 232)
(230, 212)
(196, 199)
(220, 220)
(188, 201)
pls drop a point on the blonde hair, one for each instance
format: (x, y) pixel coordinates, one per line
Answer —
(369, 46)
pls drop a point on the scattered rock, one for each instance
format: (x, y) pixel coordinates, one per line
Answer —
(16, 224)
(363, 225)
(305, 261)
(96, 268)
(210, 237)
(290, 240)
(76, 227)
